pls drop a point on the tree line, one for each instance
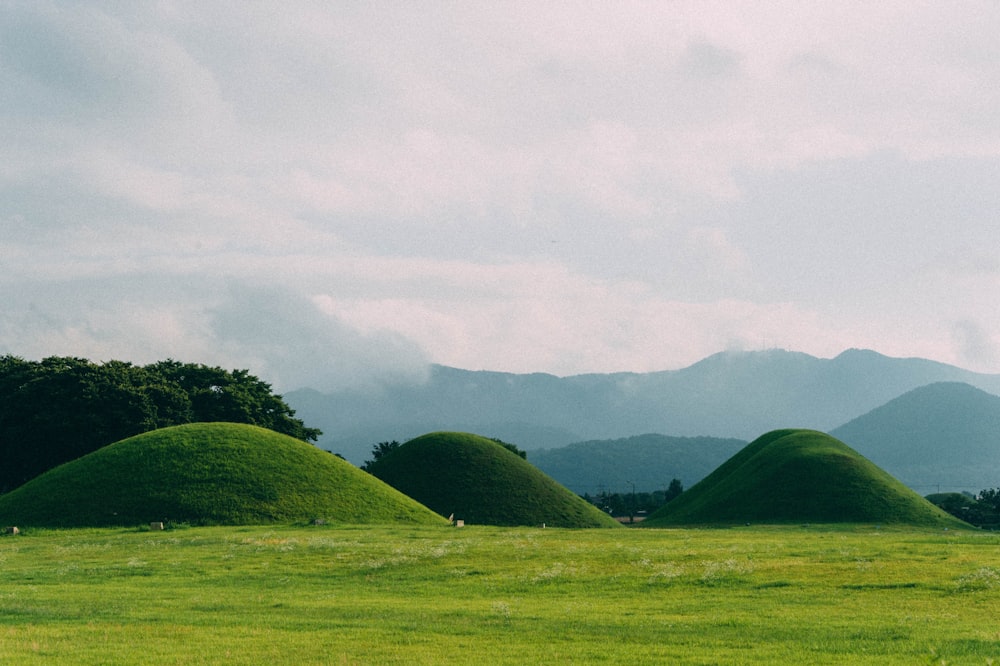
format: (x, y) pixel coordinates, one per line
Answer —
(383, 449)
(981, 510)
(631, 504)
(58, 409)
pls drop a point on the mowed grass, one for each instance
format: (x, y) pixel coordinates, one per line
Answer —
(800, 476)
(208, 473)
(479, 481)
(432, 595)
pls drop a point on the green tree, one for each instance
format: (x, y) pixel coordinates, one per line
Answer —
(510, 447)
(632, 503)
(379, 451)
(673, 490)
(989, 508)
(61, 408)
(991, 498)
(982, 510)
(233, 396)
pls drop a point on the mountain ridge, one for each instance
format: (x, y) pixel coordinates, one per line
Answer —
(726, 395)
(645, 462)
(944, 435)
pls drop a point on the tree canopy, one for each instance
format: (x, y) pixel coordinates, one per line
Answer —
(61, 408)
(513, 448)
(379, 450)
(982, 510)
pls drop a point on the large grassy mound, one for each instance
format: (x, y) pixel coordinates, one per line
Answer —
(483, 483)
(207, 473)
(800, 476)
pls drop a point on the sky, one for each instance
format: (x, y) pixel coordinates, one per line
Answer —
(340, 194)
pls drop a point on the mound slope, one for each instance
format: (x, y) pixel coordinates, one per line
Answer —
(800, 476)
(207, 473)
(483, 483)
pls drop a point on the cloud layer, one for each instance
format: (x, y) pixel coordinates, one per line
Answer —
(346, 193)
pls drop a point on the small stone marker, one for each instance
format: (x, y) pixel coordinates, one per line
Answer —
(459, 523)
(156, 526)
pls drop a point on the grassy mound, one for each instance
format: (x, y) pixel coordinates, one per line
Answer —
(207, 473)
(482, 483)
(800, 476)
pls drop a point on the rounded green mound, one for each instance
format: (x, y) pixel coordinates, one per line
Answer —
(481, 482)
(207, 473)
(800, 476)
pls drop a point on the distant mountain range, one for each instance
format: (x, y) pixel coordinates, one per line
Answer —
(730, 394)
(943, 437)
(649, 462)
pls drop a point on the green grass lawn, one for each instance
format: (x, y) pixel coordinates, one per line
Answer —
(481, 482)
(432, 595)
(800, 476)
(208, 474)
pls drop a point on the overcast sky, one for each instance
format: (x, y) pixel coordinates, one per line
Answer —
(342, 192)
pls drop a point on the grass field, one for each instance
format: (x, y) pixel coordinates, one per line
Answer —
(430, 595)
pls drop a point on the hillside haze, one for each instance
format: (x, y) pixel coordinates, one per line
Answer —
(727, 395)
(645, 462)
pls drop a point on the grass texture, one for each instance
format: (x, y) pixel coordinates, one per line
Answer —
(207, 473)
(432, 595)
(800, 476)
(482, 483)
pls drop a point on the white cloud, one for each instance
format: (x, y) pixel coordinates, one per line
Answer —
(566, 322)
(277, 333)
(295, 344)
(521, 186)
(975, 346)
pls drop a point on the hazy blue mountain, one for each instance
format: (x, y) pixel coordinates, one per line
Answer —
(648, 461)
(937, 438)
(728, 395)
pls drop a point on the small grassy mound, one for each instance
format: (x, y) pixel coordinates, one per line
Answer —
(800, 476)
(207, 473)
(481, 482)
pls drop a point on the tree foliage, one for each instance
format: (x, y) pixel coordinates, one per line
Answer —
(986, 512)
(630, 504)
(991, 498)
(673, 490)
(379, 450)
(61, 408)
(982, 510)
(510, 447)
(384, 448)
